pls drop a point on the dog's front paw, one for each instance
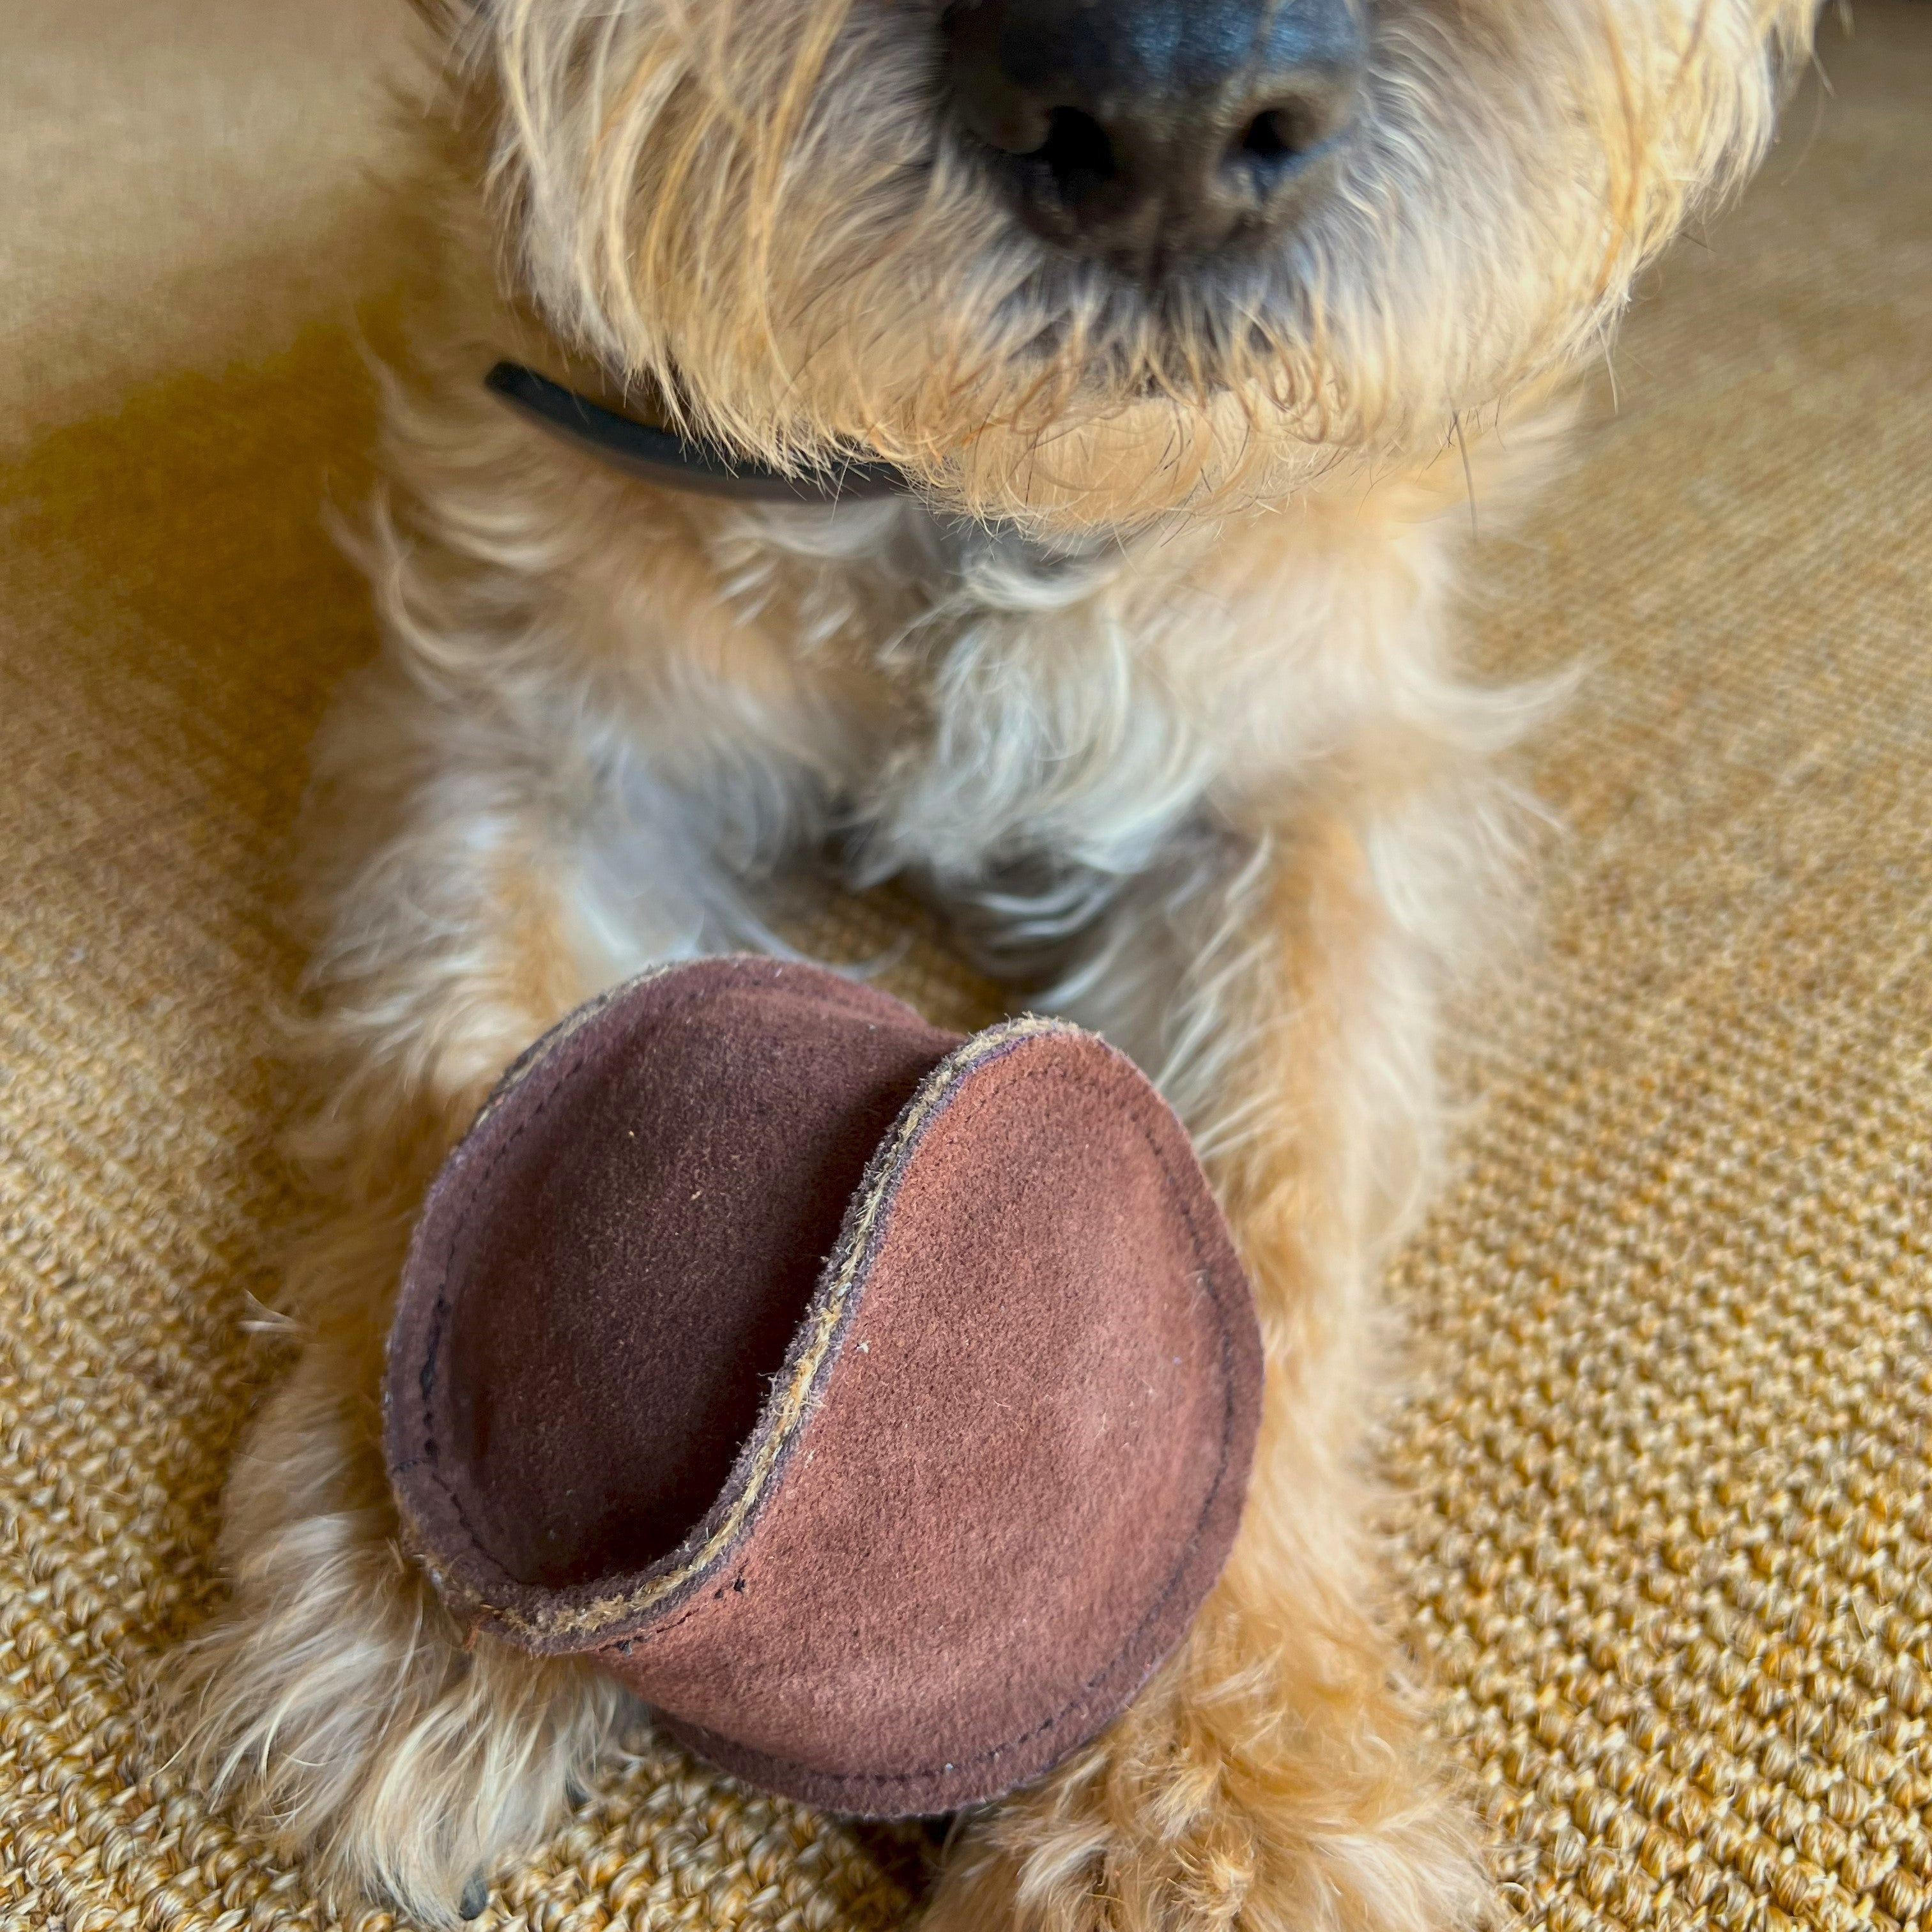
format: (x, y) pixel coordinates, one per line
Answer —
(1269, 1792)
(335, 1702)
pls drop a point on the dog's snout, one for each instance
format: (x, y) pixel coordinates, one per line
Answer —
(1153, 133)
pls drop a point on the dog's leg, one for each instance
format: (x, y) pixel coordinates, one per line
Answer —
(1273, 1776)
(471, 904)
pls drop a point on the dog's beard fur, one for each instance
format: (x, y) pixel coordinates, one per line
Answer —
(1152, 690)
(761, 208)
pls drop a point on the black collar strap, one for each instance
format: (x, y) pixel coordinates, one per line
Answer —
(663, 456)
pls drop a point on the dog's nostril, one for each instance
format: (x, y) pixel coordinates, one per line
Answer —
(1077, 153)
(1279, 137)
(1265, 137)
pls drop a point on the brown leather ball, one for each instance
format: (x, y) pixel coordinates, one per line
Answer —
(877, 1404)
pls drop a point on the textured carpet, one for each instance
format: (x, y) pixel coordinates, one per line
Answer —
(1664, 1546)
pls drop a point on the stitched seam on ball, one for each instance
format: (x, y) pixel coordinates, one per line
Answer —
(528, 1062)
(603, 1610)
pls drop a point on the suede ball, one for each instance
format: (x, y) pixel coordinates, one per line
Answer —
(876, 1404)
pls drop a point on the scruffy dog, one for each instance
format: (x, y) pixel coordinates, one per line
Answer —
(1192, 326)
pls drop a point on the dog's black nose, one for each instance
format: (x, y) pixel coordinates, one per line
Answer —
(1152, 133)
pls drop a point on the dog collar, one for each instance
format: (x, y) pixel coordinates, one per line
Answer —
(663, 456)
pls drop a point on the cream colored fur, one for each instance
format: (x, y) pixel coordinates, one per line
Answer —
(1155, 690)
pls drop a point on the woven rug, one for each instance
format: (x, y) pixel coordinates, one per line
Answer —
(1663, 1542)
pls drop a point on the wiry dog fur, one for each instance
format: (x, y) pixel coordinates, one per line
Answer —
(1151, 687)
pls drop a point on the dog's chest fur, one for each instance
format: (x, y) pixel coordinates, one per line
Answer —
(1025, 733)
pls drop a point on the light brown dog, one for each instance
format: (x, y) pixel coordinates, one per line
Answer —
(1191, 326)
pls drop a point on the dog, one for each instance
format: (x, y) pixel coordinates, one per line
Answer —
(1024, 449)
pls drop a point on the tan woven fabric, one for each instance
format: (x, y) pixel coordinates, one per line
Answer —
(1665, 1545)
(1668, 1552)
